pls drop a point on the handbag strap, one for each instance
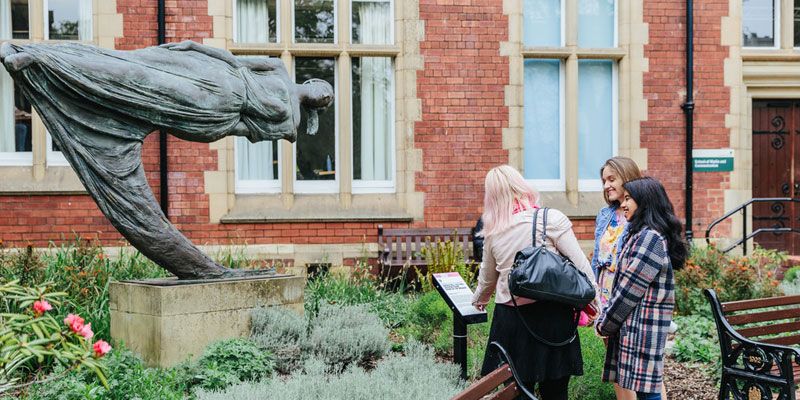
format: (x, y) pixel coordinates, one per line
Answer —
(544, 226)
(541, 339)
(514, 301)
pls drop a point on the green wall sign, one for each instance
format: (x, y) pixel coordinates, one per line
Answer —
(712, 160)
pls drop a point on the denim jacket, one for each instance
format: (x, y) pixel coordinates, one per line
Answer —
(601, 224)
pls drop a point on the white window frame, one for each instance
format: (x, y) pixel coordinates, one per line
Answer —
(54, 158)
(321, 186)
(776, 28)
(595, 184)
(560, 184)
(46, 20)
(391, 21)
(360, 186)
(19, 158)
(335, 25)
(235, 23)
(256, 186)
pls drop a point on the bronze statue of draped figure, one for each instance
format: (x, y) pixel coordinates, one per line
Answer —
(100, 104)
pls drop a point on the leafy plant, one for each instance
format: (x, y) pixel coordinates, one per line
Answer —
(32, 341)
(696, 340)
(128, 378)
(445, 256)
(413, 375)
(341, 336)
(282, 332)
(227, 362)
(733, 278)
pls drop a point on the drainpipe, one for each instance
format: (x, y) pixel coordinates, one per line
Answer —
(162, 136)
(688, 110)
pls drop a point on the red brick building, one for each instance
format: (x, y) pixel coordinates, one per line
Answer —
(430, 95)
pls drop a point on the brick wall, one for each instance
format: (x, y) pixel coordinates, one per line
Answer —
(663, 134)
(462, 91)
(461, 88)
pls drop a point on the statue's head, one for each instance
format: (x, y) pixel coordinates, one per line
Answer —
(315, 95)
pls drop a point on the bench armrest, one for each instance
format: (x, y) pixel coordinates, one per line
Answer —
(504, 355)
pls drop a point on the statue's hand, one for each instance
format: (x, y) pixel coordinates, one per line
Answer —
(181, 46)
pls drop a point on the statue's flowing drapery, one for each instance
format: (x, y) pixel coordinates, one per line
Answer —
(99, 105)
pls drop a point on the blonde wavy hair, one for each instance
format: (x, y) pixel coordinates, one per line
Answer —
(503, 185)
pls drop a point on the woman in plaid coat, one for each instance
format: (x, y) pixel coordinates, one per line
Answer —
(637, 317)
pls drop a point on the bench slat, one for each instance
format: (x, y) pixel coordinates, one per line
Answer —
(795, 368)
(783, 340)
(427, 232)
(486, 384)
(763, 316)
(509, 392)
(769, 329)
(760, 303)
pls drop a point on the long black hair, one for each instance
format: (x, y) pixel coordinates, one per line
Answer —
(654, 210)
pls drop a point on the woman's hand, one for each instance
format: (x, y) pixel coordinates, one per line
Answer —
(479, 306)
(185, 45)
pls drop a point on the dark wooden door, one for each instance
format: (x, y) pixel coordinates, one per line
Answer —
(775, 160)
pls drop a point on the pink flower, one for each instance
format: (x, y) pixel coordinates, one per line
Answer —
(74, 322)
(41, 306)
(101, 348)
(86, 331)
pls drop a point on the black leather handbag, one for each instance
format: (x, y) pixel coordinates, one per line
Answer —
(541, 274)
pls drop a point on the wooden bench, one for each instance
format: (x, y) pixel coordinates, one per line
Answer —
(759, 341)
(398, 248)
(500, 384)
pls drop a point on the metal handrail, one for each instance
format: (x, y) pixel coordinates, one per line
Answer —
(745, 236)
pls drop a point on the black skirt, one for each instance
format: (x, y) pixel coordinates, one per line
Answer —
(534, 360)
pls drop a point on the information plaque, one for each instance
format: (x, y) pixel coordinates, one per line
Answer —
(458, 296)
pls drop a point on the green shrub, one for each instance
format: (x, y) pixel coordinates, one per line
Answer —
(696, 339)
(32, 341)
(430, 321)
(128, 378)
(791, 274)
(228, 362)
(341, 336)
(733, 278)
(589, 386)
(282, 332)
(445, 256)
(413, 376)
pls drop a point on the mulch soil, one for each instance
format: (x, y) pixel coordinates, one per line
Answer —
(688, 382)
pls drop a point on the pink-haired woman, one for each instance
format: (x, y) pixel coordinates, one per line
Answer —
(509, 205)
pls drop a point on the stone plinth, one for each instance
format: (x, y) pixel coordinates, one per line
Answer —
(167, 322)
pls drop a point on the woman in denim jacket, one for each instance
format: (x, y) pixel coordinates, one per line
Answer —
(610, 233)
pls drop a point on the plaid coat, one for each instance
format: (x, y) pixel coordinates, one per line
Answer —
(638, 314)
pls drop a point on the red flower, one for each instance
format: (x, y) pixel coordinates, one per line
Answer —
(101, 348)
(41, 306)
(74, 322)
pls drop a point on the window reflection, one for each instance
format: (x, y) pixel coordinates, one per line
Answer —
(316, 155)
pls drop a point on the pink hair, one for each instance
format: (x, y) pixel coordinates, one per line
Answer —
(504, 185)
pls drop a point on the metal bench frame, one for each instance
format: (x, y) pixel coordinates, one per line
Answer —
(504, 377)
(752, 369)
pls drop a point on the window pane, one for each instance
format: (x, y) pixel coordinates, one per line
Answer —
(256, 161)
(316, 155)
(372, 118)
(255, 21)
(542, 23)
(542, 141)
(14, 19)
(69, 19)
(595, 116)
(372, 22)
(758, 23)
(15, 117)
(796, 23)
(313, 21)
(596, 23)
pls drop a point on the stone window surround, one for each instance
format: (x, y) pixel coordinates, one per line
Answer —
(632, 34)
(56, 178)
(226, 206)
